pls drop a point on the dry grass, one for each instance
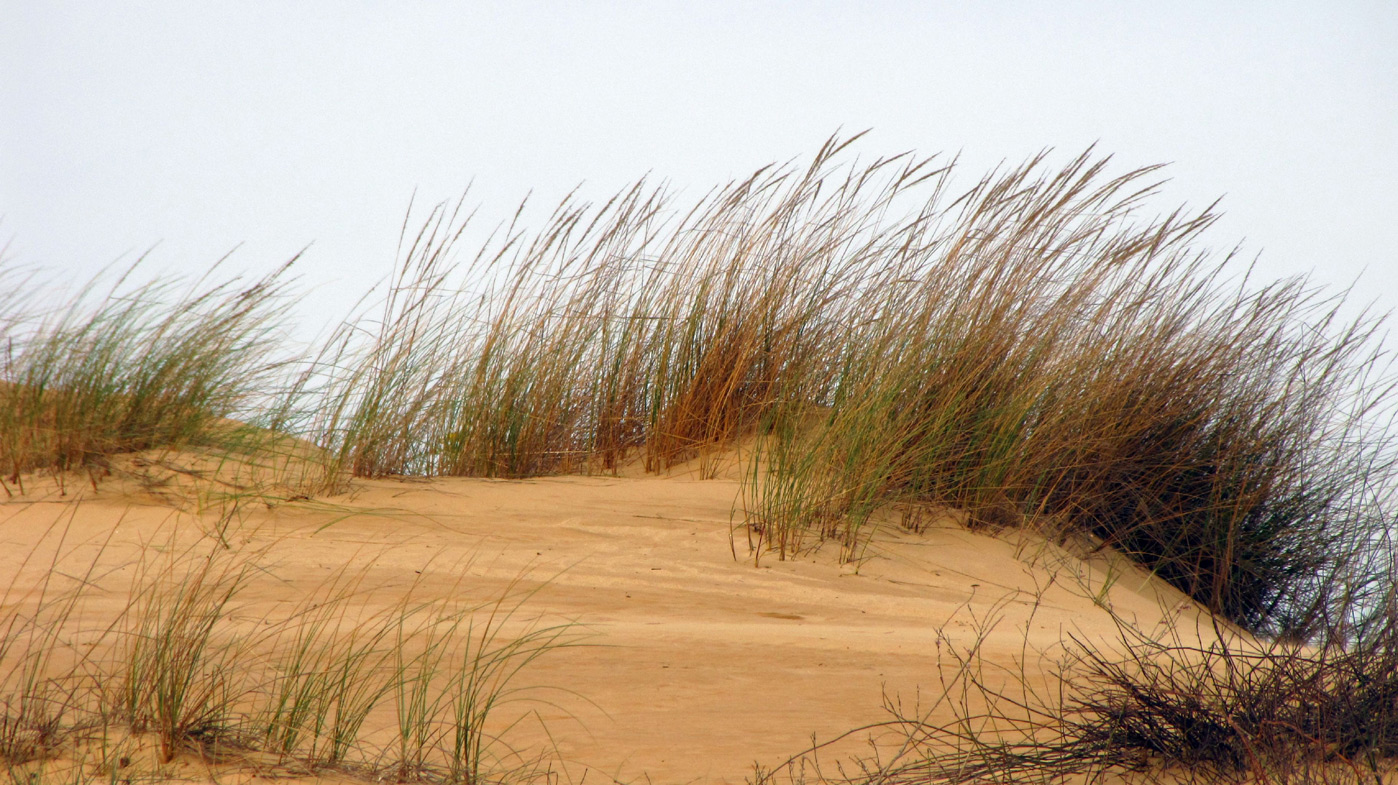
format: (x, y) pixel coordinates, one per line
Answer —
(135, 367)
(1035, 349)
(1157, 706)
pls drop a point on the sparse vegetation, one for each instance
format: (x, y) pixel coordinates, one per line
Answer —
(38, 711)
(1174, 705)
(180, 672)
(173, 677)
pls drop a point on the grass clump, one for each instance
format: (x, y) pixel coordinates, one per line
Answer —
(178, 675)
(453, 672)
(1224, 710)
(1147, 708)
(615, 330)
(324, 682)
(138, 367)
(1049, 358)
(1035, 349)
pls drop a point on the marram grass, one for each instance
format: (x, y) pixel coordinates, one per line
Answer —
(1036, 349)
(140, 366)
(1039, 347)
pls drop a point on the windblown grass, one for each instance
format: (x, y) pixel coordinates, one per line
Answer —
(1036, 349)
(178, 673)
(143, 366)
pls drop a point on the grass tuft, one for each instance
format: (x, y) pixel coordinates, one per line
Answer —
(144, 366)
(1150, 708)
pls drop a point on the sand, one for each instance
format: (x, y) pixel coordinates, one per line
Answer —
(694, 662)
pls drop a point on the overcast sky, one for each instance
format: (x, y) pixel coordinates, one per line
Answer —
(199, 126)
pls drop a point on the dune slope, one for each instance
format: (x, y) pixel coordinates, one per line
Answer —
(694, 662)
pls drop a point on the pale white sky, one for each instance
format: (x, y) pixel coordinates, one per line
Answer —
(278, 124)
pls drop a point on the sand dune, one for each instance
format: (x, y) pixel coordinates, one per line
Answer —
(695, 662)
